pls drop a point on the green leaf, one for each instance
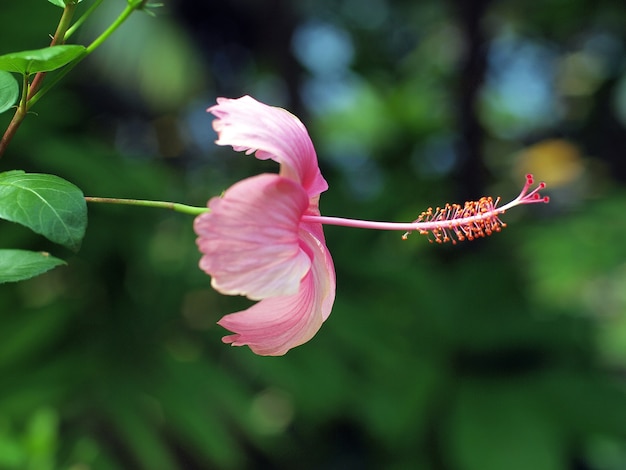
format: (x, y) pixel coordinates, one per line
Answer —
(9, 90)
(47, 204)
(18, 265)
(40, 60)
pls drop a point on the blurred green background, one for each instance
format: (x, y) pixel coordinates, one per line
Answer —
(503, 354)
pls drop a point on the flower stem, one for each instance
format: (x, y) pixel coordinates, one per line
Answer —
(185, 209)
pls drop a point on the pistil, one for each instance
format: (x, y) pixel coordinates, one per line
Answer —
(452, 222)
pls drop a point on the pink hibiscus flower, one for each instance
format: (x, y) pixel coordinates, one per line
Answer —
(263, 237)
(254, 240)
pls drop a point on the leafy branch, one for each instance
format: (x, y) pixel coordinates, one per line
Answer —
(41, 61)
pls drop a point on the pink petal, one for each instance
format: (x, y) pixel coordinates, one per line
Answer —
(323, 262)
(271, 132)
(250, 239)
(275, 325)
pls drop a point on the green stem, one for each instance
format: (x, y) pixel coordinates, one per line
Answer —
(185, 209)
(58, 38)
(25, 92)
(64, 23)
(28, 90)
(31, 97)
(111, 29)
(79, 22)
(130, 8)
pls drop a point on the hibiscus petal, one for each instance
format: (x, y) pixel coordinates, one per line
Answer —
(316, 231)
(274, 325)
(249, 239)
(272, 133)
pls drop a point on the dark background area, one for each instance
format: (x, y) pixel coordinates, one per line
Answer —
(504, 353)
